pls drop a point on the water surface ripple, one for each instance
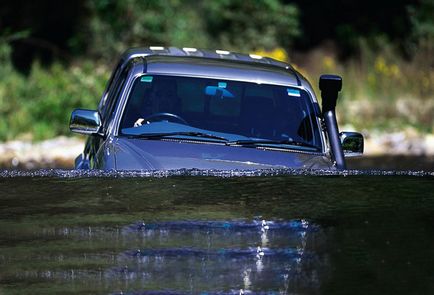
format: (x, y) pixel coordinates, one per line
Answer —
(216, 232)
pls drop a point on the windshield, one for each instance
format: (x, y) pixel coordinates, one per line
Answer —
(227, 110)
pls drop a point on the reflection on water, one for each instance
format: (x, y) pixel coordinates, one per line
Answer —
(213, 256)
(284, 233)
(198, 256)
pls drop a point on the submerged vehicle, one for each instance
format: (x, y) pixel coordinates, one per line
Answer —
(170, 108)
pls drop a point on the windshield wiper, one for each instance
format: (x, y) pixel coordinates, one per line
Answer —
(185, 133)
(269, 141)
(243, 142)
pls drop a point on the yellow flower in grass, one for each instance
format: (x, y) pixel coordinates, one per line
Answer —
(394, 71)
(328, 63)
(380, 65)
(277, 53)
(387, 70)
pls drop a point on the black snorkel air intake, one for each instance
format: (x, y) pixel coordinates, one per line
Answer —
(330, 85)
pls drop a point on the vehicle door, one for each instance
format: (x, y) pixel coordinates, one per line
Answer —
(106, 111)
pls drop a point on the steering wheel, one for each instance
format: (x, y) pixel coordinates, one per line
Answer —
(167, 115)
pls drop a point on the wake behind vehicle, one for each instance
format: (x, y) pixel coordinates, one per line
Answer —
(171, 108)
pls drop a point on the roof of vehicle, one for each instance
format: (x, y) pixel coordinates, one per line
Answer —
(225, 65)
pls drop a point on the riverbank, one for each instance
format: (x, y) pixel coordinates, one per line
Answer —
(60, 152)
(407, 142)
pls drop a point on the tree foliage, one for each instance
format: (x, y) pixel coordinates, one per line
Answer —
(103, 28)
(244, 25)
(248, 25)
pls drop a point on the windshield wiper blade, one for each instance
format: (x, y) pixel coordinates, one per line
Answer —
(269, 141)
(185, 133)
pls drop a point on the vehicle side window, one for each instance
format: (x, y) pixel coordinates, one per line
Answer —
(114, 97)
(114, 77)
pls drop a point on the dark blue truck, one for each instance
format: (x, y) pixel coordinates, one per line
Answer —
(170, 108)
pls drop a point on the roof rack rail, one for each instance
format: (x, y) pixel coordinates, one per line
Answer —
(191, 51)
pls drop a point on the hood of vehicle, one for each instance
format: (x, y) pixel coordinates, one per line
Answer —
(145, 154)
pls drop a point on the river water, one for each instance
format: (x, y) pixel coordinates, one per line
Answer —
(193, 232)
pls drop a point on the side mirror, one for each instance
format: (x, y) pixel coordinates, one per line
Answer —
(85, 121)
(352, 143)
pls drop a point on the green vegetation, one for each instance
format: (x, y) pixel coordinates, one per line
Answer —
(38, 105)
(116, 25)
(387, 67)
(381, 90)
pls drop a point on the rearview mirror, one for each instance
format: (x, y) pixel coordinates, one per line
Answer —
(352, 143)
(85, 121)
